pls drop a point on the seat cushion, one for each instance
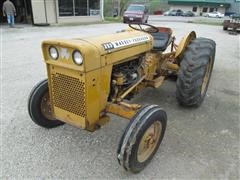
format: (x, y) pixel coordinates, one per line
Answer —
(160, 40)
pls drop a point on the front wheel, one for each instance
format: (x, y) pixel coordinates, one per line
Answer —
(142, 138)
(39, 107)
(195, 72)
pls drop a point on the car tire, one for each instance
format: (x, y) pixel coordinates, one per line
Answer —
(195, 72)
(225, 28)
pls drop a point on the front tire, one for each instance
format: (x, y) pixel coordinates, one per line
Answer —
(39, 107)
(195, 72)
(142, 138)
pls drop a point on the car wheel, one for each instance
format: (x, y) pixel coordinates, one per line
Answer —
(225, 28)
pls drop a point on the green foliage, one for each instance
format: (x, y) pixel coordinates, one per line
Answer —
(108, 7)
(123, 5)
(113, 19)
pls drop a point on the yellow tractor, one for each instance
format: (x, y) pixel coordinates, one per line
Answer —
(91, 77)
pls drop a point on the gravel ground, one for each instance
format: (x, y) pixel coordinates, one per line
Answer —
(200, 143)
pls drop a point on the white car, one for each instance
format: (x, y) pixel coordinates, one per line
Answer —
(166, 13)
(214, 14)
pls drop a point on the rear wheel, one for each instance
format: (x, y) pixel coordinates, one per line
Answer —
(142, 138)
(39, 106)
(195, 72)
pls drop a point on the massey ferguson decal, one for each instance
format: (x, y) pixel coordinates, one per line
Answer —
(125, 42)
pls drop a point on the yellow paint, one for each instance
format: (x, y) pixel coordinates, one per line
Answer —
(79, 93)
(122, 110)
(184, 42)
(92, 77)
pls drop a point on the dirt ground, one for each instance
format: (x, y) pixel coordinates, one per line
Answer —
(200, 143)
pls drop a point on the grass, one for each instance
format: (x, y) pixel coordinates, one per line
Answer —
(113, 19)
(213, 22)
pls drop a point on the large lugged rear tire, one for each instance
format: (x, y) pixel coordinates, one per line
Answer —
(142, 138)
(195, 72)
(39, 107)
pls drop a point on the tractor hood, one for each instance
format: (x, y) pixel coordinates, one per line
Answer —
(118, 46)
(118, 41)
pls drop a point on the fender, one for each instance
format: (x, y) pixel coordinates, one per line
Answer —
(186, 40)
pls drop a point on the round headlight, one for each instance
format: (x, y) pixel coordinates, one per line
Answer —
(77, 57)
(53, 52)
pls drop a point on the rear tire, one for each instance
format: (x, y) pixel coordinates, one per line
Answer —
(195, 72)
(39, 106)
(141, 138)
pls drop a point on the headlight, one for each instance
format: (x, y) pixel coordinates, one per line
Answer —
(53, 52)
(77, 57)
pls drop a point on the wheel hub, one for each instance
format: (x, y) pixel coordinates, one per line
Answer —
(206, 77)
(149, 141)
(46, 108)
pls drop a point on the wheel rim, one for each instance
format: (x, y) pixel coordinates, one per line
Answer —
(46, 107)
(206, 77)
(149, 141)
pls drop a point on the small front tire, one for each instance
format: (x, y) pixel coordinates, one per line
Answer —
(39, 107)
(142, 138)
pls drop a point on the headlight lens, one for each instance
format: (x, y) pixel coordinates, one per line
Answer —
(77, 57)
(53, 52)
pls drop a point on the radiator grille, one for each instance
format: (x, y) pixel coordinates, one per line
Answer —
(68, 94)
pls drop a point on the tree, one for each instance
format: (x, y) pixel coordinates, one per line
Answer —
(122, 6)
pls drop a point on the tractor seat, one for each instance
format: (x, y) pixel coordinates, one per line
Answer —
(160, 40)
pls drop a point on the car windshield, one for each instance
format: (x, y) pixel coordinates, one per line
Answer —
(135, 8)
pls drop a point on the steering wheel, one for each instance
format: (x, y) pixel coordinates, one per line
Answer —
(152, 29)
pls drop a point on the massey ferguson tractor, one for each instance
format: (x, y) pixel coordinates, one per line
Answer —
(91, 77)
